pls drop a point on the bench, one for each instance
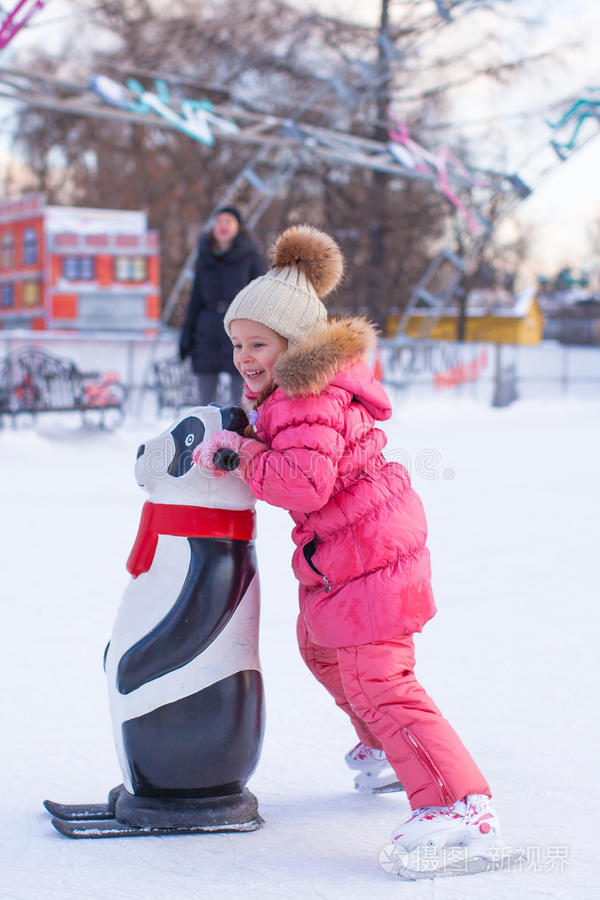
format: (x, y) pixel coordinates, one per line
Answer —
(34, 381)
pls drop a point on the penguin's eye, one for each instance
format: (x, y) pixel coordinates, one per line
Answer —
(186, 435)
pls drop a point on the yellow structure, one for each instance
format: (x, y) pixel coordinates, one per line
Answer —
(521, 323)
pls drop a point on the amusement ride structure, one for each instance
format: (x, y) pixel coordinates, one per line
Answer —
(481, 197)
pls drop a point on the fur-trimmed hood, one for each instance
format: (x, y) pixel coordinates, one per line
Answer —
(337, 356)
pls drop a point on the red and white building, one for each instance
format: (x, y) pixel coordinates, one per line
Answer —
(64, 267)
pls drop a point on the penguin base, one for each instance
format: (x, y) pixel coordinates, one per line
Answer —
(212, 813)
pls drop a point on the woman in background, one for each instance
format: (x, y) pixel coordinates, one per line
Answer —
(228, 259)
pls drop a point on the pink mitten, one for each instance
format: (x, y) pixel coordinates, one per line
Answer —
(227, 451)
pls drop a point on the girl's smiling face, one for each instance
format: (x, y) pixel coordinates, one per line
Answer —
(255, 351)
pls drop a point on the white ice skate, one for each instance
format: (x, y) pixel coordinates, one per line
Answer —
(376, 776)
(461, 839)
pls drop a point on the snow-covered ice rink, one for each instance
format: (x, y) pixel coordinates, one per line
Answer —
(513, 503)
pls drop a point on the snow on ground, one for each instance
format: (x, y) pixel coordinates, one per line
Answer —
(513, 501)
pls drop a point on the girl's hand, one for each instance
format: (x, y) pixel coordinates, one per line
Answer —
(227, 451)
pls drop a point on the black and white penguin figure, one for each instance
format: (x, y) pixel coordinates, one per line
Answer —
(184, 680)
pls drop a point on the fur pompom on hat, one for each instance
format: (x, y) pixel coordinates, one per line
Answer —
(307, 265)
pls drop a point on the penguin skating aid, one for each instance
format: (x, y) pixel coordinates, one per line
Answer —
(184, 681)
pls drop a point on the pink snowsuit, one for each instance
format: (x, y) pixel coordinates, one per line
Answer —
(360, 557)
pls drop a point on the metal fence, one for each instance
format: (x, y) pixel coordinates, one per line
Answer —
(422, 368)
(484, 371)
(132, 356)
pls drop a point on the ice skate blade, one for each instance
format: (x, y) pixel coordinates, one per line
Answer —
(425, 862)
(78, 811)
(377, 784)
(390, 788)
(112, 828)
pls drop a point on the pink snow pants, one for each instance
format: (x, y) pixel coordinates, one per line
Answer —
(376, 686)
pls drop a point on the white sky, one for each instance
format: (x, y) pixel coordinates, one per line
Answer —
(563, 207)
(561, 210)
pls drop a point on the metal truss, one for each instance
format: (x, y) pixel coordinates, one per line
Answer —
(282, 145)
(253, 128)
(439, 286)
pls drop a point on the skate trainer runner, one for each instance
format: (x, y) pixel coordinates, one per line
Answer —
(360, 533)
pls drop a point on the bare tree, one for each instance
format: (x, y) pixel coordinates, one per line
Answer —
(272, 58)
(593, 235)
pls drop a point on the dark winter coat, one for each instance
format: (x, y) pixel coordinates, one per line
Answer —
(218, 278)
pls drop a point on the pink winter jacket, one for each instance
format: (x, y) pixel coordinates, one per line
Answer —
(360, 530)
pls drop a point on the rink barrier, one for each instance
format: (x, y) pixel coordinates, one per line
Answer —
(34, 381)
(175, 385)
(493, 373)
(423, 370)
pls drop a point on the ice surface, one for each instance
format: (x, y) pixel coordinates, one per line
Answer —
(513, 501)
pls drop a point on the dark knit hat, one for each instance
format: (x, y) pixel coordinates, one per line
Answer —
(232, 211)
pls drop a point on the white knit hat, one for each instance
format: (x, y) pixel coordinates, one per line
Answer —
(307, 265)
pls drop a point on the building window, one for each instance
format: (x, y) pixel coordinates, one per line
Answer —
(30, 247)
(7, 250)
(79, 268)
(8, 295)
(131, 268)
(32, 293)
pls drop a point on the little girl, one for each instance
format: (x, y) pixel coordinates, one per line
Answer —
(360, 531)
